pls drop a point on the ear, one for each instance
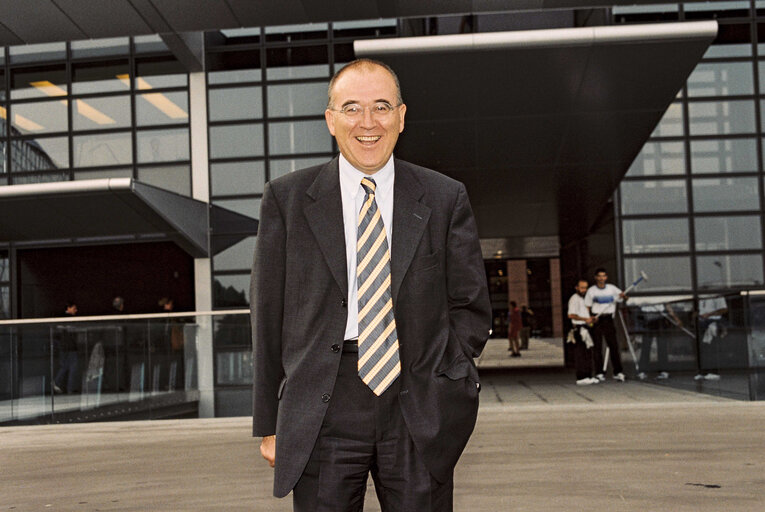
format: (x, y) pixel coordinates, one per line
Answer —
(330, 119)
(401, 114)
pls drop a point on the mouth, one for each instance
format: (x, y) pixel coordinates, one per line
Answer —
(368, 140)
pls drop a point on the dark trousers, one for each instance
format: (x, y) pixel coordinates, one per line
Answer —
(68, 369)
(604, 328)
(364, 434)
(582, 356)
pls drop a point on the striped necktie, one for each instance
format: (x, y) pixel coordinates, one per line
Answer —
(379, 363)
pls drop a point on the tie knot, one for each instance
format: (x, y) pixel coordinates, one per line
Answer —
(369, 185)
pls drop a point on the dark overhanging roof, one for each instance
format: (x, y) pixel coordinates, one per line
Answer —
(113, 210)
(540, 125)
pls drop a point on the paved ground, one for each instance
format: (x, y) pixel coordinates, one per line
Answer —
(541, 444)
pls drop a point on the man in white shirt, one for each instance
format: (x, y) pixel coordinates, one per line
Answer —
(580, 317)
(601, 299)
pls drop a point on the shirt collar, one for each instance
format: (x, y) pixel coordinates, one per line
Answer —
(350, 177)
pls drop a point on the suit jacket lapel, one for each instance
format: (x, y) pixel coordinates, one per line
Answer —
(324, 214)
(410, 217)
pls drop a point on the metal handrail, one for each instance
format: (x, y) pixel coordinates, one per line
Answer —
(122, 318)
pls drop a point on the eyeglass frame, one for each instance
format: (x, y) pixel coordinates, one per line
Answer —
(363, 108)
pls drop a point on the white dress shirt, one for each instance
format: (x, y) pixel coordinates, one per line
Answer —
(353, 199)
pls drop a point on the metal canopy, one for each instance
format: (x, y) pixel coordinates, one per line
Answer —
(114, 210)
(540, 125)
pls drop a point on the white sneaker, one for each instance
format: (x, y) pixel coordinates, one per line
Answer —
(662, 376)
(593, 380)
(699, 377)
(711, 376)
(584, 382)
(620, 377)
(642, 376)
(601, 377)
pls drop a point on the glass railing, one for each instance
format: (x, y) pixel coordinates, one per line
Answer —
(60, 370)
(714, 344)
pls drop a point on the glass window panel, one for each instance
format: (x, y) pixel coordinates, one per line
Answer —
(721, 79)
(3, 170)
(43, 117)
(101, 113)
(248, 32)
(297, 62)
(149, 44)
(731, 155)
(728, 270)
(162, 108)
(175, 178)
(163, 145)
(106, 149)
(728, 50)
(727, 233)
(159, 72)
(37, 52)
(717, 6)
(231, 291)
(39, 154)
(237, 178)
(5, 302)
(640, 9)
(280, 167)
(721, 117)
(297, 100)
(665, 196)
(92, 77)
(299, 137)
(236, 103)
(249, 206)
(38, 82)
(236, 141)
(659, 158)
(725, 194)
(40, 177)
(100, 47)
(93, 174)
(237, 257)
(297, 32)
(666, 273)
(5, 273)
(671, 123)
(234, 76)
(2, 83)
(655, 235)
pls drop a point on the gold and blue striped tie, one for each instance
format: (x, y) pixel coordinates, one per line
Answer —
(379, 364)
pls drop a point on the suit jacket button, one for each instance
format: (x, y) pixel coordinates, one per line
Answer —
(335, 348)
(343, 303)
(325, 397)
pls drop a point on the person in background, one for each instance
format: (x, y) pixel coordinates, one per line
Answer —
(527, 316)
(515, 323)
(580, 335)
(601, 298)
(68, 359)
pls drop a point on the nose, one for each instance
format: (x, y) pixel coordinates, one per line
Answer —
(367, 119)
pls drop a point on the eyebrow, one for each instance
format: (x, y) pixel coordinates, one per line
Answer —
(351, 102)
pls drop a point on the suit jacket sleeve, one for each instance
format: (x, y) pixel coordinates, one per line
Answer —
(469, 305)
(267, 304)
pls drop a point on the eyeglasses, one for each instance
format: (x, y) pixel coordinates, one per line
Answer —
(355, 111)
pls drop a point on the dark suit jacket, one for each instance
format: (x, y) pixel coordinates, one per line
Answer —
(299, 298)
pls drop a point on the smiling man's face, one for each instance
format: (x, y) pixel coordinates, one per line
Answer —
(366, 140)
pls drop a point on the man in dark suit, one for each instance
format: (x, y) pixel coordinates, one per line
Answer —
(369, 304)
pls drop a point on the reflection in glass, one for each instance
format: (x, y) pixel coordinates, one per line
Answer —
(234, 103)
(660, 196)
(162, 108)
(655, 235)
(101, 113)
(671, 123)
(297, 99)
(237, 178)
(721, 79)
(5, 302)
(299, 137)
(725, 194)
(3, 160)
(726, 155)
(236, 257)
(658, 158)
(665, 273)
(42, 117)
(40, 177)
(2, 83)
(38, 82)
(100, 47)
(728, 50)
(148, 44)
(729, 270)
(721, 117)
(155, 72)
(5, 273)
(91, 77)
(231, 291)
(37, 52)
(236, 140)
(728, 233)
(279, 167)
(163, 145)
(39, 154)
(106, 149)
(175, 178)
